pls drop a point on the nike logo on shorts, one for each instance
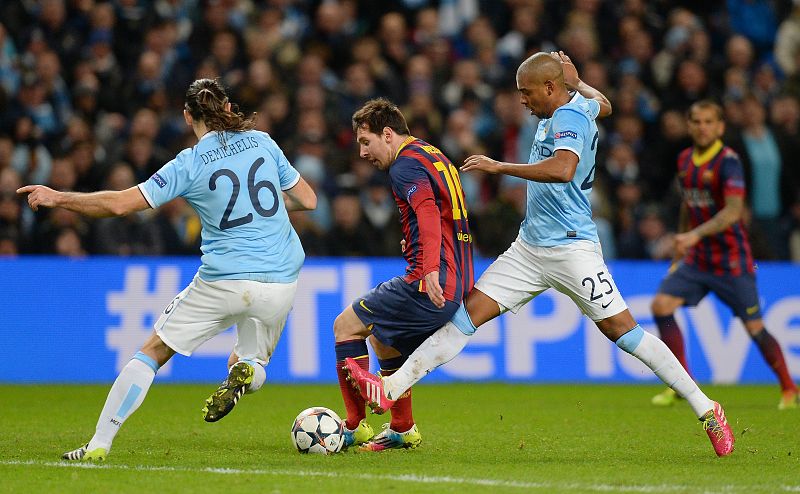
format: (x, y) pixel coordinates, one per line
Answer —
(605, 306)
(364, 306)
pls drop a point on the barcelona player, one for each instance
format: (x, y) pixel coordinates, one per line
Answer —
(402, 312)
(713, 253)
(557, 247)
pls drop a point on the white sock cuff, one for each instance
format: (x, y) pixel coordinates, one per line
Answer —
(259, 376)
(140, 366)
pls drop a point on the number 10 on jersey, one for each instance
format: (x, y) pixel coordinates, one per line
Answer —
(454, 186)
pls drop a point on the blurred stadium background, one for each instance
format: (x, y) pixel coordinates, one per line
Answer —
(91, 94)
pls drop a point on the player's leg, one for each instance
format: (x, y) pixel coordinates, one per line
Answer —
(350, 335)
(773, 355)
(443, 345)
(125, 396)
(663, 307)
(579, 271)
(741, 295)
(259, 376)
(401, 432)
(512, 280)
(654, 353)
(261, 318)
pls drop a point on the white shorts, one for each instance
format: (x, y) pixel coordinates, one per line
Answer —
(206, 308)
(577, 270)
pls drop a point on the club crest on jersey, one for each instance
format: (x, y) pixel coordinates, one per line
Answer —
(566, 133)
(159, 180)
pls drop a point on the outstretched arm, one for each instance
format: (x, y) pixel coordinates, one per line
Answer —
(98, 204)
(559, 168)
(573, 82)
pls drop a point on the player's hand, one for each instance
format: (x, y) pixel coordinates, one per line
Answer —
(403, 246)
(571, 78)
(684, 242)
(39, 195)
(482, 163)
(434, 289)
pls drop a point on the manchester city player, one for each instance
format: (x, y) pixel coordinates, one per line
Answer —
(557, 247)
(241, 185)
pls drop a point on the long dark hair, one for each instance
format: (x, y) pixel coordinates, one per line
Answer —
(206, 99)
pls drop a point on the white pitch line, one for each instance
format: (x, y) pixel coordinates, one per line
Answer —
(420, 479)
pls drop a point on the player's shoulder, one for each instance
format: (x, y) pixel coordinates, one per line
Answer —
(683, 155)
(729, 154)
(576, 107)
(185, 157)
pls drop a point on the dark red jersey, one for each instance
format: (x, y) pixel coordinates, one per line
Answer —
(704, 185)
(433, 216)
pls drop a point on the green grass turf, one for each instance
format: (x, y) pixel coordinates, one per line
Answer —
(476, 438)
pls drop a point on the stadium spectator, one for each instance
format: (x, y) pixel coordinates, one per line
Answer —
(103, 62)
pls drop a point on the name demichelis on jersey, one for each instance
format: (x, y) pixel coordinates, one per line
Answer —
(422, 180)
(245, 227)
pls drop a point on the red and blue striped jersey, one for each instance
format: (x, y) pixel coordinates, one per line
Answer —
(433, 216)
(704, 185)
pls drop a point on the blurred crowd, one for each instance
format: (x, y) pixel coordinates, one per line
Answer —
(91, 97)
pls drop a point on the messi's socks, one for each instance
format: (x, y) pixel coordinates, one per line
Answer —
(353, 402)
(402, 418)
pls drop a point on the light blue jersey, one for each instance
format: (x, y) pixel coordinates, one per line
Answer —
(234, 182)
(560, 213)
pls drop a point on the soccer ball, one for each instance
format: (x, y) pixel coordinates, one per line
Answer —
(318, 430)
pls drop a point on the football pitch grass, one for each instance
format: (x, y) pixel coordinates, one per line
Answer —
(476, 438)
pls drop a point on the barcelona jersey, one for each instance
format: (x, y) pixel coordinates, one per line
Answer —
(704, 182)
(433, 216)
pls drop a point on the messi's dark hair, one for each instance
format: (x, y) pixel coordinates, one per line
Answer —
(379, 113)
(206, 100)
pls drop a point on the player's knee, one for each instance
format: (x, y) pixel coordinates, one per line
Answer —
(661, 306)
(341, 329)
(754, 326)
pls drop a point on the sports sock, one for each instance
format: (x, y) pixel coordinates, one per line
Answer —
(655, 354)
(672, 337)
(259, 376)
(773, 355)
(127, 393)
(402, 418)
(438, 349)
(353, 402)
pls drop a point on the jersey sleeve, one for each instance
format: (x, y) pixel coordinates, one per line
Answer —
(171, 181)
(287, 174)
(732, 176)
(594, 108)
(570, 130)
(411, 181)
